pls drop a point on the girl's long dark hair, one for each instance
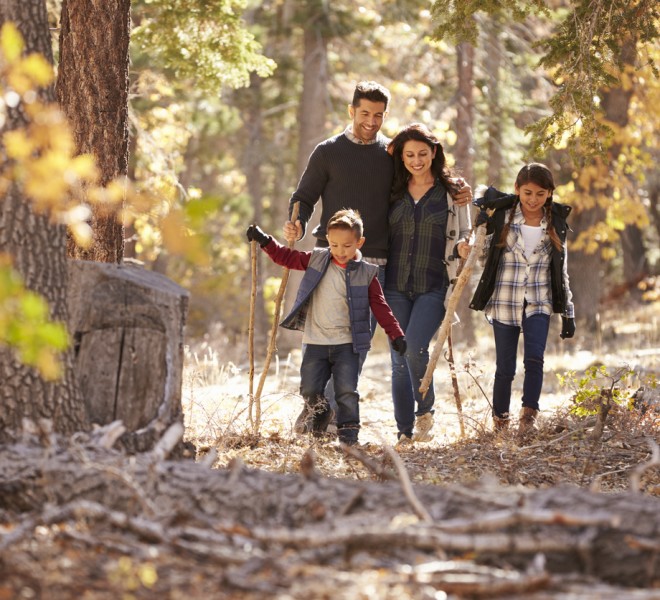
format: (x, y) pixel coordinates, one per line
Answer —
(542, 176)
(420, 133)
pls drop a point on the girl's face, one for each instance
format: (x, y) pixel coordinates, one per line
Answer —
(343, 244)
(532, 197)
(417, 157)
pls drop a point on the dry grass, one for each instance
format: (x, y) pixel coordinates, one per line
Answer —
(216, 417)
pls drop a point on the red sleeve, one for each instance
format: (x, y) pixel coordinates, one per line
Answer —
(287, 257)
(382, 311)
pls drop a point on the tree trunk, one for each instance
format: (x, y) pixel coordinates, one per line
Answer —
(37, 248)
(464, 154)
(311, 130)
(92, 88)
(493, 61)
(253, 159)
(128, 326)
(587, 269)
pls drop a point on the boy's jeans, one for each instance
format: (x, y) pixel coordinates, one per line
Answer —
(319, 363)
(535, 334)
(420, 316)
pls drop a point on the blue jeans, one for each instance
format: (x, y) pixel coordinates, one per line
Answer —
(340, 362)
(420, 316)
(330, 388)
(535, 334)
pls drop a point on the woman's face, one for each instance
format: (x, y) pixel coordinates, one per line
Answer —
(417, 157)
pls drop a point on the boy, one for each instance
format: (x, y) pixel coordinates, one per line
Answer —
(332, 309)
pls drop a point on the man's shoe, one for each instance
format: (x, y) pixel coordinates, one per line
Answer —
(423, 424)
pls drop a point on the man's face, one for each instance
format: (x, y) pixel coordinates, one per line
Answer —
(343, 244)
(367, 118)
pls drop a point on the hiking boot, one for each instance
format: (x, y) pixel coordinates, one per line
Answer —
(501, 424)
(314, 419)
(404, 441)
(423, 424)
(526, 423)
(348, 435)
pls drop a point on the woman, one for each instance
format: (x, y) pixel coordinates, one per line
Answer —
(428, 234)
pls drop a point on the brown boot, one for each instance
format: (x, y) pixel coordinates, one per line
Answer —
(526, 427)
(501, 424)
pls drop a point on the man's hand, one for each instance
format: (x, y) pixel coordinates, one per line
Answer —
(567, 328)
(292, 232)
(464, 194)
(255, 234)
(400, 345)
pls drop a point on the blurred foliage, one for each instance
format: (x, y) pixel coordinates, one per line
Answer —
(582, 53)
(25, 326)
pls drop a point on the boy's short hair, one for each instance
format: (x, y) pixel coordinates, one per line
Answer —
(372, 91)
(347, 218)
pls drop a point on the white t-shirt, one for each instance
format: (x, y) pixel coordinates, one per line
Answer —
(531, 238)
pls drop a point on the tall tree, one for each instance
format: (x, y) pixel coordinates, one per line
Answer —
(37, 247)
(92, 88)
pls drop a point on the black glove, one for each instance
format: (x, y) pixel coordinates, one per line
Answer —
(567, 328)
(482, 218)
(255, 234)
(399, 344)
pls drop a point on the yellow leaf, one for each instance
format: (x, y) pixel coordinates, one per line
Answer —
(38, 69)
(11, 42)
(17, 144)
(83, 167)
(174, 233)
(82, 233)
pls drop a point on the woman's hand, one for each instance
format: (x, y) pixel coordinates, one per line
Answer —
(463, 249)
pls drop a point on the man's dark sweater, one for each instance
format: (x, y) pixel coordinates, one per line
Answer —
(349, 175)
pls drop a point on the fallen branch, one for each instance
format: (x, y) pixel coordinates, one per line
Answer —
(408, 491)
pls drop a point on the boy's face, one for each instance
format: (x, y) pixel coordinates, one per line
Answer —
(343, 244)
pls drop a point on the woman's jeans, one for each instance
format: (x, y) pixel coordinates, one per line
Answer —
(319, 363)
(420, 316)
(535, 334)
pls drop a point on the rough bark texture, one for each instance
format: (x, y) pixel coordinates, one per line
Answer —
(128, 327)
(293, 536)
(311, 130)
(37, 248)
(464, 153)
(92, 88)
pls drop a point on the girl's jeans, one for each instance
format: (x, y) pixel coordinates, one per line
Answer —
(420, 316)
(535, 334)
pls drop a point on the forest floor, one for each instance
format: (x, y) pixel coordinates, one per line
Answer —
(217, 414)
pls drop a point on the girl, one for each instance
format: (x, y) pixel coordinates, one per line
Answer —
(525, 280)
(428, 231)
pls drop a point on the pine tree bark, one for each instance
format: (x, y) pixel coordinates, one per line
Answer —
(92, 88)
(38, 251)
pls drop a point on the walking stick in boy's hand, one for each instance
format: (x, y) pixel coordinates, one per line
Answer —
(452, 303)
(273, 331)
(253, 299)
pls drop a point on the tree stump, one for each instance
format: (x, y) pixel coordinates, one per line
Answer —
(127, 325)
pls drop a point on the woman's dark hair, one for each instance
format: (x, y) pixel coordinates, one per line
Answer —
(542, 176)
(420, 133)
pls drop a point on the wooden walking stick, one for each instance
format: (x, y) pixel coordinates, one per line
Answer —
(253, 300)
(452, 303)
(454, 383)
(273, 331)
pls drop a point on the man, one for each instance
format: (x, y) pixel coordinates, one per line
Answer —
(352, 170)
